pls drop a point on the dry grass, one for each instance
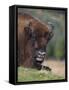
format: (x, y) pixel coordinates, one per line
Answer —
(57, 66)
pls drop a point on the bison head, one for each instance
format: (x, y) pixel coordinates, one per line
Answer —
(34, 35)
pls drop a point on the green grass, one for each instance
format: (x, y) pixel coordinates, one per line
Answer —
(27, 74)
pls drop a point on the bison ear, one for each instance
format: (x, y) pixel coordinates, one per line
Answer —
(30, 24)
(50, 26)
(28, 30)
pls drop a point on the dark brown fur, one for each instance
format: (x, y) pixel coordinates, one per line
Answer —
(24, 44)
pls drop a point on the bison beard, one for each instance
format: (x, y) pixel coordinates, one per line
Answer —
(31, 54)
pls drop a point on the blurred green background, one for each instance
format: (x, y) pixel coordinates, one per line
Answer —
(56, 47)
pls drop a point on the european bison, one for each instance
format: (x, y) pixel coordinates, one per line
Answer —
(33, 36)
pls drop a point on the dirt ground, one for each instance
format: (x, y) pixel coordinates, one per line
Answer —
(57, 66)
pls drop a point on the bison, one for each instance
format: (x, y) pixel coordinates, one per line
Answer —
(33, 37)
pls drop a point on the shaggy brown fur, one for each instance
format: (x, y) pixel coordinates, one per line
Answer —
(25, 48)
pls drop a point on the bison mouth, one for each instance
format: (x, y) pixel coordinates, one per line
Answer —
(38, 57)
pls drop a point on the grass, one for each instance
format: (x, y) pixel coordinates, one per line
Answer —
(27, 74)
